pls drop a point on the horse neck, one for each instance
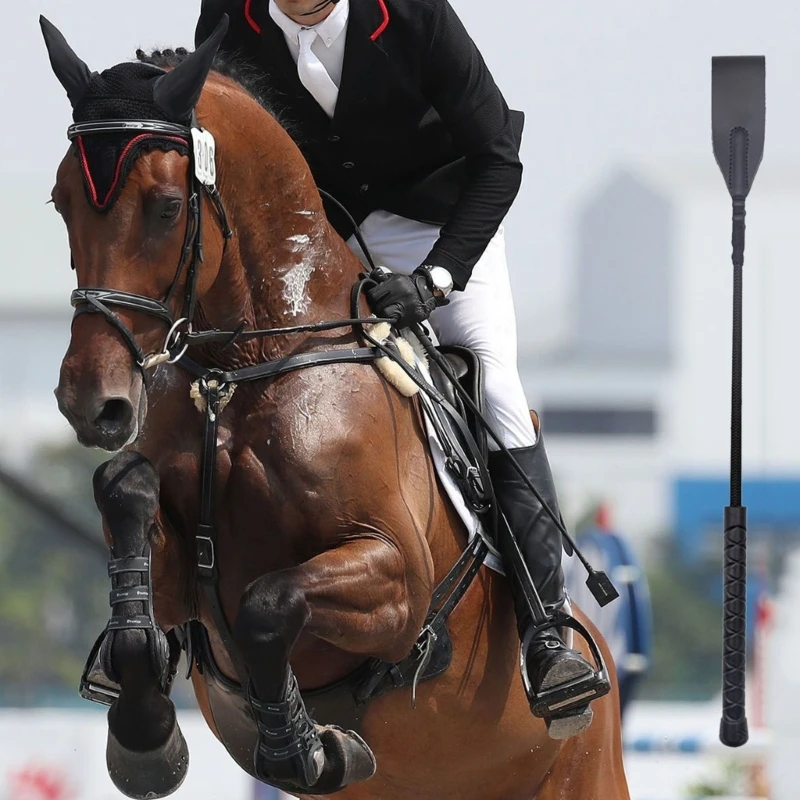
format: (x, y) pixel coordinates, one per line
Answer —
(285, 265)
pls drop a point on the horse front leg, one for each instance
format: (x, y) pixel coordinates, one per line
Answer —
(356, 597)
(146, 753)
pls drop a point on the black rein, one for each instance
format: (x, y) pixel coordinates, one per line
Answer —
(215, 386)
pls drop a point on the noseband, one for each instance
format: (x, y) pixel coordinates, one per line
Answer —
(101, 300)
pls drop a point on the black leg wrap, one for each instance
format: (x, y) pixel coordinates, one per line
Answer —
(288, 744)
(296, 755)
(100, 682)
(126, 491)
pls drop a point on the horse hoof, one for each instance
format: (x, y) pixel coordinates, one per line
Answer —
(566, 727)
(151, 773)
(348, 759)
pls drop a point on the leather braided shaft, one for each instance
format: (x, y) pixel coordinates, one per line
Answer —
(733, 727)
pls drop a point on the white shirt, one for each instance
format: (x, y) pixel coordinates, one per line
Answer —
(328, 47)
(391, 235)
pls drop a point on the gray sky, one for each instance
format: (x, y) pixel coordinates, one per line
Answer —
(602, 84)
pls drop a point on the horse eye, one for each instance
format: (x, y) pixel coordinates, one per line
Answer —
(171, 208)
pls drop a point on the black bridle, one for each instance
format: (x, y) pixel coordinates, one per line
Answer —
(101, 300)
(216, 386)
(181, 334)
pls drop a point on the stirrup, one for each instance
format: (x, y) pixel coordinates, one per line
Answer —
(573, 696)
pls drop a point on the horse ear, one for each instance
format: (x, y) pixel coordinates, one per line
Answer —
(72, 73)
(178, 91)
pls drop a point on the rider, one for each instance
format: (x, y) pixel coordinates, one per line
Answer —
(400, 120)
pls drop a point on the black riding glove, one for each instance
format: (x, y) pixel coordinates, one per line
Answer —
(406, 299)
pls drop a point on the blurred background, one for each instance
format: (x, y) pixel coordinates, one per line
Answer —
(620, 261)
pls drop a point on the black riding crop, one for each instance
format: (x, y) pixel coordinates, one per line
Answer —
(738, 118)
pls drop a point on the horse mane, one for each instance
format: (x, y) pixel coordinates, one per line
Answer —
(234, 67)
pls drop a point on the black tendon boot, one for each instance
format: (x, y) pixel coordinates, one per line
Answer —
(289, 749)
(568, 680)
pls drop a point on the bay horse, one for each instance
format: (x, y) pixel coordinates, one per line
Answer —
(328, 531)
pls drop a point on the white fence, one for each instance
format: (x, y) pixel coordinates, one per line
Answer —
(60, 755)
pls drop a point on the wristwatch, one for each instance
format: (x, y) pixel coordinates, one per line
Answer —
(439, 279)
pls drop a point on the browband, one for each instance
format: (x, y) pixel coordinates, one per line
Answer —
(126, 126)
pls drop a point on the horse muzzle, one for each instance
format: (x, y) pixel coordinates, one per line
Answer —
(109, 421)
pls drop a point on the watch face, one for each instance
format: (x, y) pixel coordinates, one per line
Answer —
(441, 278)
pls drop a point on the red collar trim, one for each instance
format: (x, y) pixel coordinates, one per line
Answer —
(382, 27)
(248, 15)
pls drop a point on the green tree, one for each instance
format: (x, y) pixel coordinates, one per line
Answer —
(687, 620)
(53, 589)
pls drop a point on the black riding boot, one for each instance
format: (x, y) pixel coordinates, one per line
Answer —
(548, 665)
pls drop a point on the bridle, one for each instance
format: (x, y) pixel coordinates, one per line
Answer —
(101, 300)
(181, 334)
(215, 387)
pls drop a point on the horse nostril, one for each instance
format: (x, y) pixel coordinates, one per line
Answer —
(115, 415)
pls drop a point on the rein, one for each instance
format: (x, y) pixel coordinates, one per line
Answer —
(216, 386)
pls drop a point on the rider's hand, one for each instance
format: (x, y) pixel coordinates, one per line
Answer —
(406, 299)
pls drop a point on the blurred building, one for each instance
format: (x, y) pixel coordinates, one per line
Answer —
(636, 400)
(33, 340)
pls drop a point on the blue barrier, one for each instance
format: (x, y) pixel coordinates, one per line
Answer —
(695, 744)
(626, 624)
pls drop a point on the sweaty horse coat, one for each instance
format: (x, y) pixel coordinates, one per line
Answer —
(332, 527)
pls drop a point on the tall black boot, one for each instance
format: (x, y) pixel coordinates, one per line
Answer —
(548, 664)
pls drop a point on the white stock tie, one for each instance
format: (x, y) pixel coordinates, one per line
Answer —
(313, 74)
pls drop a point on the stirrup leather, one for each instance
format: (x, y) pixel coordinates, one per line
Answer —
(572, 696)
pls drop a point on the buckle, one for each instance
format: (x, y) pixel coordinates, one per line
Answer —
(206, 557)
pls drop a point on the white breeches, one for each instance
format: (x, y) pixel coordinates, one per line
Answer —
(481, 317)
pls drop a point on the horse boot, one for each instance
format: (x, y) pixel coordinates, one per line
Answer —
(558, 680)
(300, 757)
(289, 753)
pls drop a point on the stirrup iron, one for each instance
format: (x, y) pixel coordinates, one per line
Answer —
(573, 696)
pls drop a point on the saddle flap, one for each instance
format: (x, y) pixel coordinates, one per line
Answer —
(468, 369)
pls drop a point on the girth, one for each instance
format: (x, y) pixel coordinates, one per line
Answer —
(215, 387)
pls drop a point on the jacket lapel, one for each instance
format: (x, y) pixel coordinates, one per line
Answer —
(283, 70)
(363, 69)
(365, 62)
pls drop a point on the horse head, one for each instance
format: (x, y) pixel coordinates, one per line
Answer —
(147, 230)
